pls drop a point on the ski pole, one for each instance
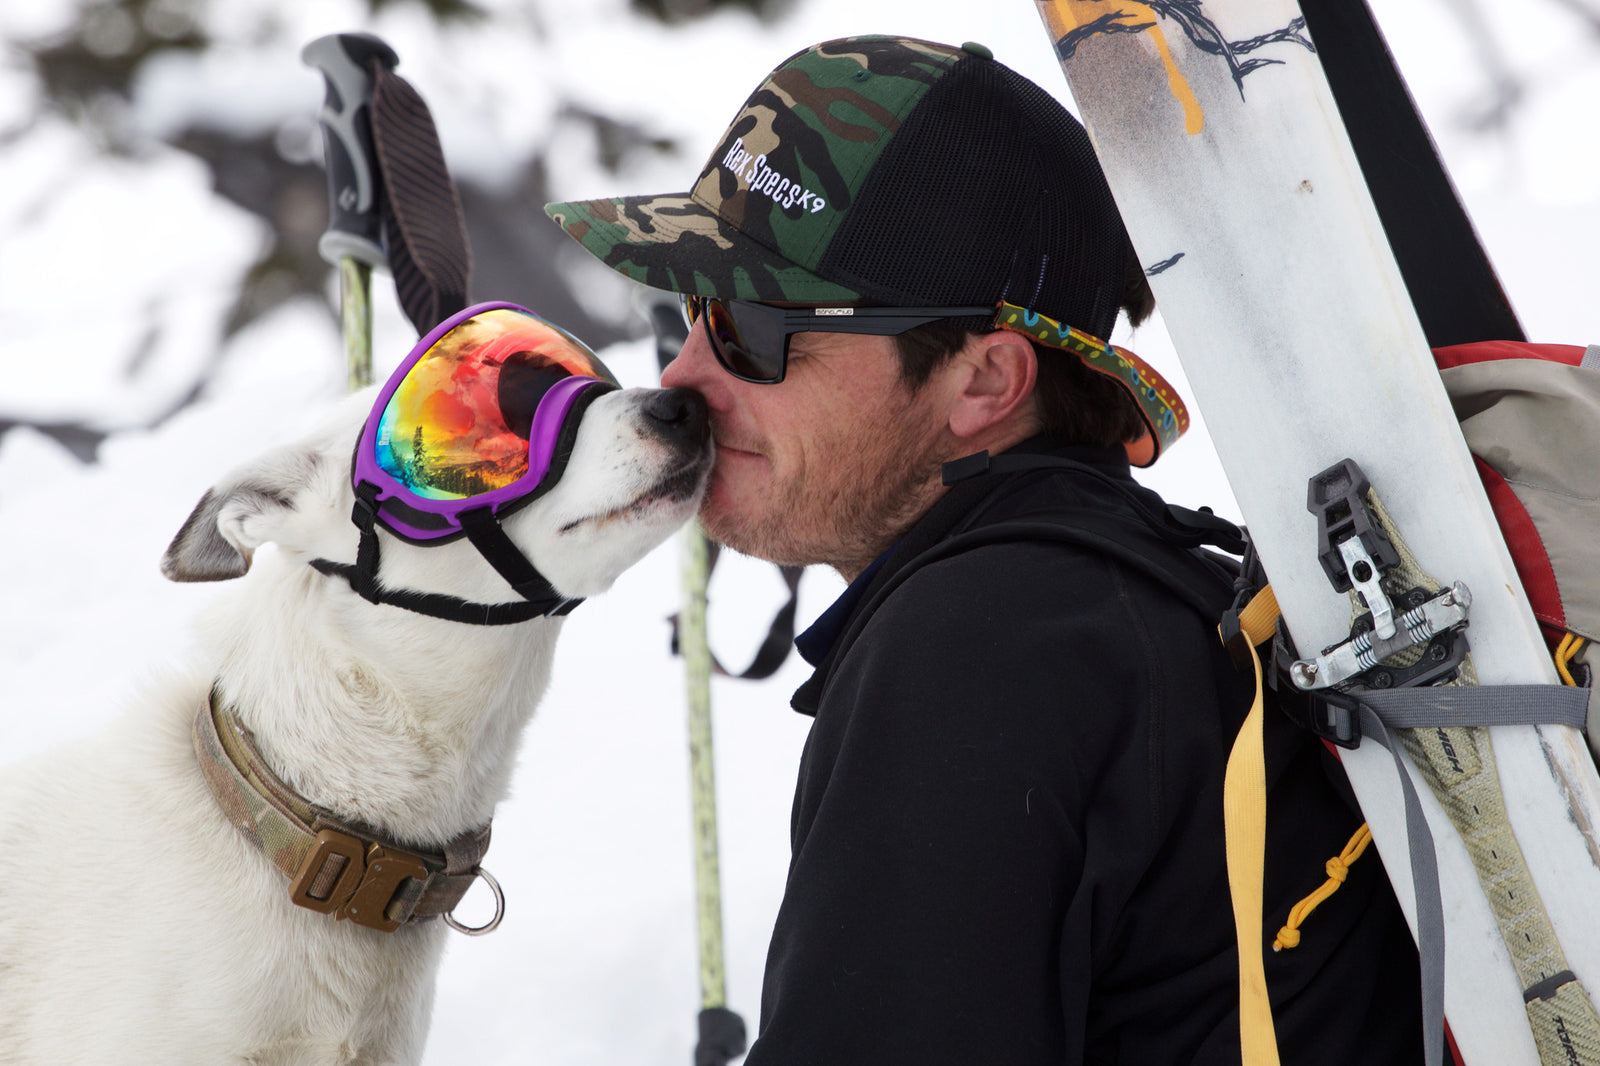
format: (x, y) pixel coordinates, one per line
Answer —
(353, 239)
(722, 1032)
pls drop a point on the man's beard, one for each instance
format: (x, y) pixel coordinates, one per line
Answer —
(884, 478)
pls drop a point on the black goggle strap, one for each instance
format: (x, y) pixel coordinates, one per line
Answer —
(363, 576)
(484, 531)
(365, 516)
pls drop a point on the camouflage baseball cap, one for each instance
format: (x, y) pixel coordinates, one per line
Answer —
(883, 170)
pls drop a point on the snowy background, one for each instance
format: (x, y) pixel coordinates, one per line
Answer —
(163, 316)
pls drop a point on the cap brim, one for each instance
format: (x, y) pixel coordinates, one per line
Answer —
(676, 243)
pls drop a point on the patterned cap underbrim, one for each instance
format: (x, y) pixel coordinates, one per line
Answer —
(675, 243)
(1162, 409)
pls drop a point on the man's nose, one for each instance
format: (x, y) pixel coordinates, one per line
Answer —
(694, 367)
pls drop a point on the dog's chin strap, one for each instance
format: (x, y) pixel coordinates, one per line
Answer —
(484, 531)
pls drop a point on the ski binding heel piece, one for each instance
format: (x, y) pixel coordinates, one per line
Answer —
(1356, 553)
(1437, 621)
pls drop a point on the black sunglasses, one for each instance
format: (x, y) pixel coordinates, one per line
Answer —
(751, 340)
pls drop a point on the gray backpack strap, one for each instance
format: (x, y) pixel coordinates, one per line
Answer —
(1451, 705)
(1440, 726)
(1425, 888)
(1479, 705)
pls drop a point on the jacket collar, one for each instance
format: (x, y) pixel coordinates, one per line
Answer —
(959, 507)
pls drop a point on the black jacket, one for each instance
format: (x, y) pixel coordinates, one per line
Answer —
(1007, 830)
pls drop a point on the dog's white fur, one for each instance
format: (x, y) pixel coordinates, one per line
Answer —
(137, 925)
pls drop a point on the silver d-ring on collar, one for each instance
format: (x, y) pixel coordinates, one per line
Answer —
(499, 909)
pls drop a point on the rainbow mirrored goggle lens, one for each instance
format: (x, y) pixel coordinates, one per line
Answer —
(478, 415)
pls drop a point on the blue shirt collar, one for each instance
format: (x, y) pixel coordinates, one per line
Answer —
(814, 644)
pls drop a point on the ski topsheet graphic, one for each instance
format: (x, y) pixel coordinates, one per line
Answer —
(1231, 164)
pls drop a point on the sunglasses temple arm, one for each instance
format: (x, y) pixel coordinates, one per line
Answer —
(666, 322)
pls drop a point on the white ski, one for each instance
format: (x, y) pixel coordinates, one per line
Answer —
(1231, 166)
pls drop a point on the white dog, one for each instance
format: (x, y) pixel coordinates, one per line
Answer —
(138, 924)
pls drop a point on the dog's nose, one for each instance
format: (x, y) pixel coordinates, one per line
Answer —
(679, 415)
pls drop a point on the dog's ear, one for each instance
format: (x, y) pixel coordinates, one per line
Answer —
(236, 516)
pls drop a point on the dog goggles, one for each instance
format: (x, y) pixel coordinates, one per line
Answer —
(751, 340)
(481, 414)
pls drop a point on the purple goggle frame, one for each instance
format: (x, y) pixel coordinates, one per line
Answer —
(481, 414)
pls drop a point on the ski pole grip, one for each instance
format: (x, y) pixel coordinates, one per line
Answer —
(355, 225)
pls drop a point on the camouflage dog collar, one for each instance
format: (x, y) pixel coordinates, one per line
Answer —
(1162, 409)
(333, 867)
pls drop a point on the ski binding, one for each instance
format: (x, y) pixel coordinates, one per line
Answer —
(1357, 554)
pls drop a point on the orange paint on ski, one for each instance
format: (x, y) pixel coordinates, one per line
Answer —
(1064, 16)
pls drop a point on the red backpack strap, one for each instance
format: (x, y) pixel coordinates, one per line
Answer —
(1488, 351)
(1528, 553)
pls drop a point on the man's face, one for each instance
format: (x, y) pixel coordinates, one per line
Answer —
(829, 466)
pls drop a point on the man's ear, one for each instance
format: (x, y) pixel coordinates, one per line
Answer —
(997, 374)
(237, 515)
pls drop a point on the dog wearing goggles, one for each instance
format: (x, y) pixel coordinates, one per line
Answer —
(260, 863)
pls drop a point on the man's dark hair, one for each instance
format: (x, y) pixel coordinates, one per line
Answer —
(1076, 404)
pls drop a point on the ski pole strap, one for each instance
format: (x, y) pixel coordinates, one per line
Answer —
(425, 232)
(780, 634)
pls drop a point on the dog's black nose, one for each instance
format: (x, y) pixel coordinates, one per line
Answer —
(679, 415)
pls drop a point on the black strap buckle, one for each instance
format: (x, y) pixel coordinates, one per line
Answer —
(1251, 580)
(365, 517)
(1232, 632)
(1332, 715)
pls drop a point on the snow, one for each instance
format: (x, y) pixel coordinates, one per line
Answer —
(595, 962)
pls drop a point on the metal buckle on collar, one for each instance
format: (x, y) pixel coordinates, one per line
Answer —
(348, 879)
(387, 869)
(330, 872)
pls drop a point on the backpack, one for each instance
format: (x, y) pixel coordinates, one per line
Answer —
(1530, 414)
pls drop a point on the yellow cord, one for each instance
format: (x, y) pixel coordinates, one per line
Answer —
(1338, 869)
(1570, 646)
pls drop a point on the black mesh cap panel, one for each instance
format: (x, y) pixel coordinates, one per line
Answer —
(989, 191)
